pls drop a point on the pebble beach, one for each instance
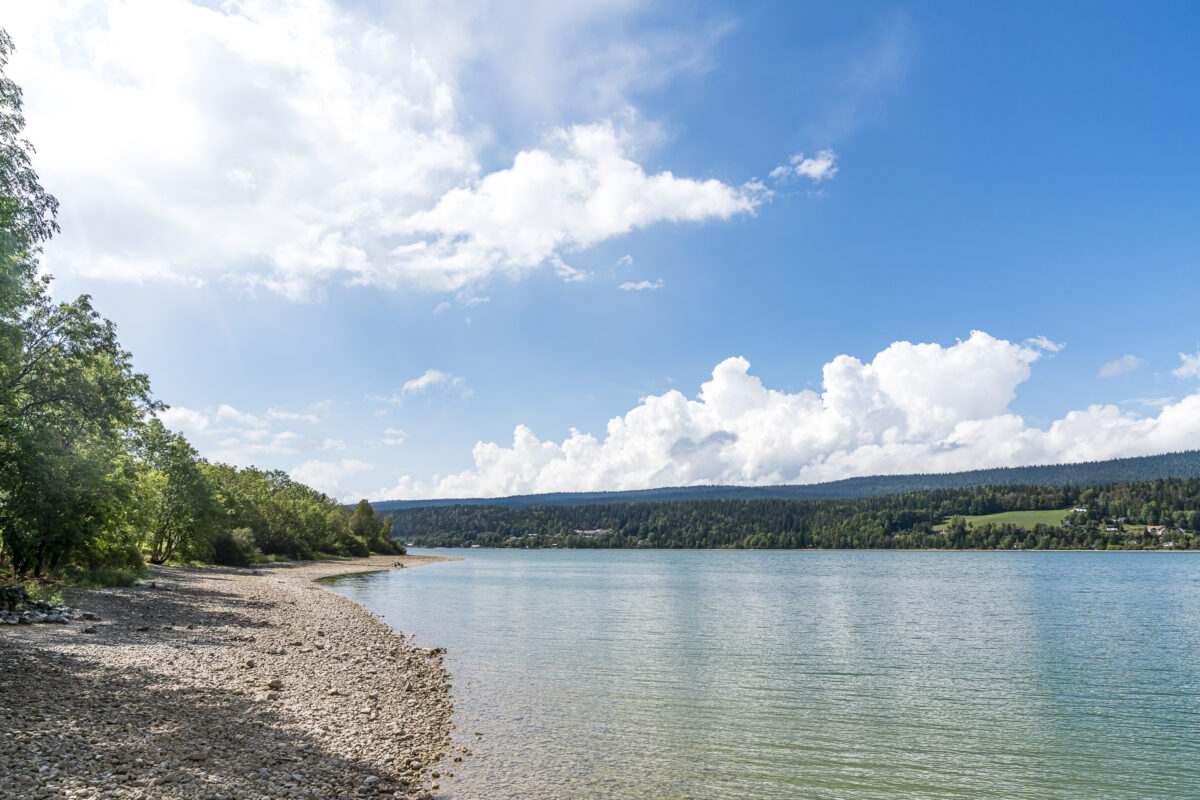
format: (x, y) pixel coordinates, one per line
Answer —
(227, 684)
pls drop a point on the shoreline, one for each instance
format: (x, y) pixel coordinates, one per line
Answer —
(214, 682)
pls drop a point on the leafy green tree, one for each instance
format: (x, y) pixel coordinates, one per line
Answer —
(69, 398)
(180, 508)
(71, 407)
(27, 215)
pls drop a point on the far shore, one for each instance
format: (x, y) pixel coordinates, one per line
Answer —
(213, 682)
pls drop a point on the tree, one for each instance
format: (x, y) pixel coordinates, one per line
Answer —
(367, 526)
(178, 499)
(69, 398)
(72, 405)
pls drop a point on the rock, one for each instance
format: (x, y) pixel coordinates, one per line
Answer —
(199, 755)
(90, 629)
(13, 596)
(275, 683)
(142, 628)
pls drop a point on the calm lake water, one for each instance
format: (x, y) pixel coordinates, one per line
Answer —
(718, 674)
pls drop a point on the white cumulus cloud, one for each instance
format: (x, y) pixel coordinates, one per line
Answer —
(288, 144)
(579, 191)
(912, 408)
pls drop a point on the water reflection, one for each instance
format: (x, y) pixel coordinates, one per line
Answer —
(813, 674)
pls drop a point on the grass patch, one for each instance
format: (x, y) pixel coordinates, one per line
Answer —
(45, 592)
(1025, 519)
(102, 577)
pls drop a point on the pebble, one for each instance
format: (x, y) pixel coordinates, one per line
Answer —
(167, 714)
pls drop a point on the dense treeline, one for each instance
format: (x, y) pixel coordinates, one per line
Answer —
(930, 519)
(89, 478)
(1185, 464)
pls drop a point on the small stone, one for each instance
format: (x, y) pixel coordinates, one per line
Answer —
(275, 683)
(199, 755)
(90, 629)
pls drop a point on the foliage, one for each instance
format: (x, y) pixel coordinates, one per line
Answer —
(373, 531)
(88, 475)
(1093, 473)
(236, 548)
(892, 522)
(181, 511)
(102, 577)
(69, 397)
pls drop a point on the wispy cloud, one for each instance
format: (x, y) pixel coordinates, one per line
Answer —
(820, 167)
(1190, 368)
(429, 379)
(330, 476)
(1044, 343)
(1121, 366)
(228, 413)
(277, 413)
(393, 437)
(641, 286)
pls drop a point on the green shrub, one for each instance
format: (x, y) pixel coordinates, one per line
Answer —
(235, 548)
(355, 546)
(45, 593)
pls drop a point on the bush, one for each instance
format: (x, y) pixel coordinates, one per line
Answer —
(355, 546)
(235, 548)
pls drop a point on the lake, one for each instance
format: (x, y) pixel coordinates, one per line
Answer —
(812, 674)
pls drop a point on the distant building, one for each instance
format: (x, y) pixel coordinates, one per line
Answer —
(1156, 530)
(1079, 510)
(592, 533)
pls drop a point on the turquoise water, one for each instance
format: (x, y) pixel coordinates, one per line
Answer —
(801, 674)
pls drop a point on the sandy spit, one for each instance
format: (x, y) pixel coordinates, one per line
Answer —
(223, 684)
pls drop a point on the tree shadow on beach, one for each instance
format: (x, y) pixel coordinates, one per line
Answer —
(134, 728)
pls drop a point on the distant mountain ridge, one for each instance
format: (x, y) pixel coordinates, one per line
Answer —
(1184, 464)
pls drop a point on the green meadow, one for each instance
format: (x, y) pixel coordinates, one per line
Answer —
(1026, 519)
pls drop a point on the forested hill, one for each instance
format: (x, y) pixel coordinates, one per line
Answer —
(1159, 514)
(1092, 473)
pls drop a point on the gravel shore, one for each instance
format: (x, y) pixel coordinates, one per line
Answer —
(222, 683)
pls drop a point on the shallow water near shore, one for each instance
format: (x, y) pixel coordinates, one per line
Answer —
(802, 674)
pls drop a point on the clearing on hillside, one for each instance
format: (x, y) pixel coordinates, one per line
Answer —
(1025, 519)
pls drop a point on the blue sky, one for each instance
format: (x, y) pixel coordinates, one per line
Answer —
(367, 242)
